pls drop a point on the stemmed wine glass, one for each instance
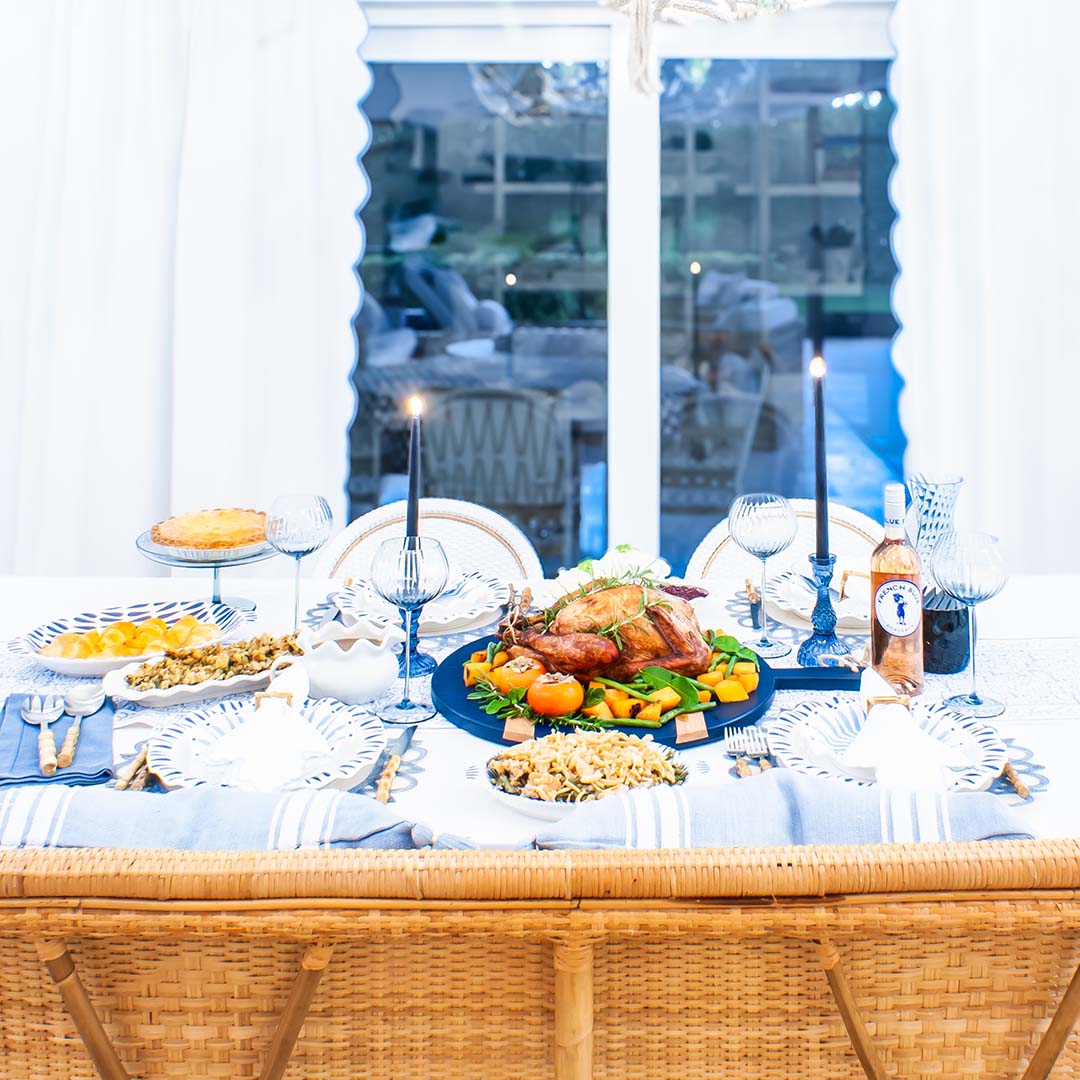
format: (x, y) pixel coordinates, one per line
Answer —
(971, 569)
(297, 525)
(763, 525)
(409, 572)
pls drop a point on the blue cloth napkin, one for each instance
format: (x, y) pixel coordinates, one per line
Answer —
(204, 819)
(93, 763)
(777, 808)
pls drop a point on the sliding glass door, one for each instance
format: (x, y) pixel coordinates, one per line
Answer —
(609, 298)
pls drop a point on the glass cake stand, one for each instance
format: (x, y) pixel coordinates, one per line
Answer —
(159, 553)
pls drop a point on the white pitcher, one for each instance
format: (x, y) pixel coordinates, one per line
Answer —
(354, 663)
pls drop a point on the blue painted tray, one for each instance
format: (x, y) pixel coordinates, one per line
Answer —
(450, 696)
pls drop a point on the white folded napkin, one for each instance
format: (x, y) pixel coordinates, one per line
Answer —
(892, 749)
(272, 749)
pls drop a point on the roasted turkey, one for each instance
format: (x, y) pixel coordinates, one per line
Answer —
(612, 632)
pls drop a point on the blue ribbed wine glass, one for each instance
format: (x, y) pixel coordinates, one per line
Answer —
(763, 525)
(971, 569)
(408, 572)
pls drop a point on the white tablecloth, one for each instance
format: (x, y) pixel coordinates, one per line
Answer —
(1029, 657)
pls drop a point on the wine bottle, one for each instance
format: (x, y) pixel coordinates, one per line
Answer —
(896, 602)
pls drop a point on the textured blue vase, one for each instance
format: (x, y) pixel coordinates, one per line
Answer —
(823, 641)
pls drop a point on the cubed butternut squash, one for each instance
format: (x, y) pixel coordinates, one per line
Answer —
(478, 657)
(730, 690)
(703, 696)
(651, 712)
(712, 678)
(599, 711)
(749, 680)
(624, 709)
(744, 667)
(611, 695)
(500, 658)
(476, 671)
(667, 697)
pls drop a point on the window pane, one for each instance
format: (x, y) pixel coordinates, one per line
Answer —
(775, 241)
(485, 277)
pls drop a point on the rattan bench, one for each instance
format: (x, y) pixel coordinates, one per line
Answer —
(907, 961)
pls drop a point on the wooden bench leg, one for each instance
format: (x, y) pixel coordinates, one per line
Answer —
(1061, 1025)
(61, 967)
(573, 1009)
(849, 1013)
(312, 966)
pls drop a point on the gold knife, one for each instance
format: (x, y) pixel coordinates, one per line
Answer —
(397, 748)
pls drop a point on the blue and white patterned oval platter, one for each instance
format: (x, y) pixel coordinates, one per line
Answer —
(225, 617)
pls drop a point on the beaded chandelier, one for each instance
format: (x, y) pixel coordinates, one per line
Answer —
(645, 13)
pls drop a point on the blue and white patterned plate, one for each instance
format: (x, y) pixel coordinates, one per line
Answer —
(792, 597)
(476, 600)
(225, 617)
(181, 754)
(812, 737)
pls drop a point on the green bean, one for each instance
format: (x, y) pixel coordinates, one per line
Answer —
(681, 709)
(622, 686)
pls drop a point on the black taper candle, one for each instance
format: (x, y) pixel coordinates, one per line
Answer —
(821, 478)
(412, 511)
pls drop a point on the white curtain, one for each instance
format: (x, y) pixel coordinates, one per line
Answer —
(178, 199)
(988, 242)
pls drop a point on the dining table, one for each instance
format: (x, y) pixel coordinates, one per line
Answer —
(1028, 657)
(913, 960)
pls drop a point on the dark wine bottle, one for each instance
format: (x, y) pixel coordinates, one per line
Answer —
(946, 642)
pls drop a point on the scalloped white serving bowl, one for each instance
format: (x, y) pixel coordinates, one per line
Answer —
(227, 619)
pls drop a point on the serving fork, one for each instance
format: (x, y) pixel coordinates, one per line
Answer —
(41, 712)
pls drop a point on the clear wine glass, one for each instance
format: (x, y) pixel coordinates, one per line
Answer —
(970, 568)
(408, 572)
(763, 525)
(297, 525)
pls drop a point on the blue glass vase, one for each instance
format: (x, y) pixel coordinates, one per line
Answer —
(823, 641)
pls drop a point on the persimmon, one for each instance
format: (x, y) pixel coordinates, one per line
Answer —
(555, 695)
(516, 674)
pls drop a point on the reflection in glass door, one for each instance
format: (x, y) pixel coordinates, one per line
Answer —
(775, 226)
(485, 291)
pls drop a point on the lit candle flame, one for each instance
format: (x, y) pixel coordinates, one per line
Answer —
(415, 405)
(817, 368)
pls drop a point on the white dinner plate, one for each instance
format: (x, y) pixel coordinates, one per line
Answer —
(813, 736)
(181, 754)
(225, 617)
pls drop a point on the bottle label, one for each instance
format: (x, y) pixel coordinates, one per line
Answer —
(898, 607)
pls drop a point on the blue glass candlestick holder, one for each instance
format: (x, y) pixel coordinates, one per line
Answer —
(419, 663)
(823, 641)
